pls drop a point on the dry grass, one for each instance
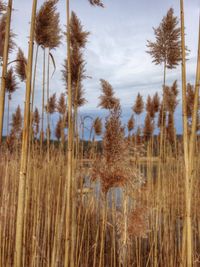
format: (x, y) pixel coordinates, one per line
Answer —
(155, 219)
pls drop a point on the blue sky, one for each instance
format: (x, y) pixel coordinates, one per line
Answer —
(116, 48)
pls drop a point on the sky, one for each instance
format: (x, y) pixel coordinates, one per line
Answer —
(116, 49)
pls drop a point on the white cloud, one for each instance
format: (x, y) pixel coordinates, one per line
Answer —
(116, 48)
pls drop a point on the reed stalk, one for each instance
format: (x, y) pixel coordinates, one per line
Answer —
(24, 154)
(4, 67)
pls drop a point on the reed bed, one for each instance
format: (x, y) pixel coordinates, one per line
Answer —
(155, 227)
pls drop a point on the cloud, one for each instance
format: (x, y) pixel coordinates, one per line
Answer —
(116, 50)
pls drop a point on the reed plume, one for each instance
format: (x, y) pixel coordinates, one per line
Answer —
(156, 102)
(11, 44)
(171, 131)
(21, 64)
(138, 136)
(97, 125)
(47, 30)
(190, 99)
(139, 105)
(61, 108)
(150, 107)
(16, 124)
(58, 129)
(107, 99)
(171, 94)
(11, 87)
(110, 169)
(113, 168)
(52, 104)
(96, 3)
(131, 124)
(171, 102)
(167, 47)
(78, 40)
(36, 122)
(162, 116)
(148, 127)
(2, 7)
(11, 82)
(61, 105)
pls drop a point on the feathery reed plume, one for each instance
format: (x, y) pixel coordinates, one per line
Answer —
(166, 50)
(190, 100)
(77, 75)
(131, 124)
(78, 40)
(162, 116)
(139, 105)
(2, 6)
(107, 99)
(138, 136)
(96, 3)
(171, 103)
(156, 102)
(47, 35)
(171, 132)
(11, 83)
(11, 44)
(52, 104)
(110, 169)
(36, 122)
(61, 105)
(21, 64)
(138, 225)
(150, 107)
(11, 87)
(97, 125)
(61, 108)
(171, 94)
(113, 168)
(16, 124)
(47, 30)
(148, 127)
(5, 47)
(78, 37)
(58, 130)
(167, 47)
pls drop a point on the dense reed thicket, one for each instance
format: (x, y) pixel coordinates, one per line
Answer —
(126, 196)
